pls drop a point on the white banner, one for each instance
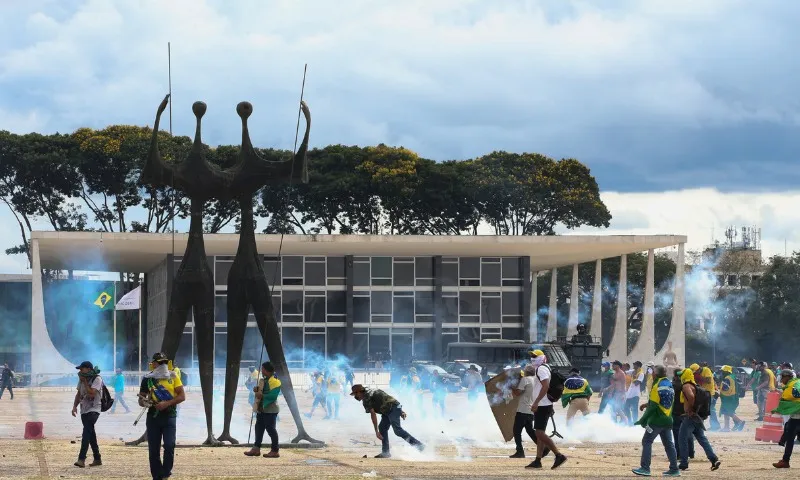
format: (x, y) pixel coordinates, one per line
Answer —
(131, 300)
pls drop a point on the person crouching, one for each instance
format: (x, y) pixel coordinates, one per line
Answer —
(266, 408)
(577, 393)
(377, 401)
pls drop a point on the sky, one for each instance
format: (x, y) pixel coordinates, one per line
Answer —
(686, 112)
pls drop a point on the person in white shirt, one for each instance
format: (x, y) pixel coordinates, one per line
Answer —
(542, 409)
(523, 420)
(90, 387)
(632, 395)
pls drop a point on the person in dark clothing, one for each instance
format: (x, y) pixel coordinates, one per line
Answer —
(678, 414)
(90, 387)
(378, 401)
(6, 381)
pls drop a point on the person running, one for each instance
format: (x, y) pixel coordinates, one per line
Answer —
(377, 401)
(266, 410)
(789, 404)
(729, 397)
(576, 395)
(90, 391)
(657, 421)
(523, 419)
(318, 390)
(7, 381)
(542, 409)
(692, 424)
(119, 392)
(161, 391)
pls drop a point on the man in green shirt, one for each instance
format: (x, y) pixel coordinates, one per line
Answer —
(755, 379)
(377, 401)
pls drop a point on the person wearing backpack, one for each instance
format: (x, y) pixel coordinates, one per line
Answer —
(696, 405)
(542, 408)
(657, 421)
(729, 397)
(88, 396)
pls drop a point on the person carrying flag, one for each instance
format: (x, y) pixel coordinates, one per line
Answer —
(729, 397)
(657, 421)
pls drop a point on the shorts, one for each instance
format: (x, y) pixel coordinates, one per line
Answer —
(541, 416)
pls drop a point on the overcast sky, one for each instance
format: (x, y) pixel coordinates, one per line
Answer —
(687, 112)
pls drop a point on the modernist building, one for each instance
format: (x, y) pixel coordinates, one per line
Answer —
(362, 296)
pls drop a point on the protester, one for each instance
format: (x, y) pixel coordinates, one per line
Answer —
(678, 414)
(542, 411)
(707, 382)
(617, 391)
(318, 390)
(730, 400)
(250, 384)
(474, 383)
(766, 385)
(523, 419)
(334, 396)
(438, 389)
(377, 401)
(692, 423)
(266, 410)
(657, 421)
(648, 375)
(632, 395)
(576, 395)
(789, 404)
(119, 392)
(161, 391)
(90, 389)
(605, 381)
(7, 381)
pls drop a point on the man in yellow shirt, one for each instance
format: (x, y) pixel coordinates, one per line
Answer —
(767, 385)
(707, 379)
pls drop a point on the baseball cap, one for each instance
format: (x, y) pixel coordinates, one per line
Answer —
(535, 353)
(86, 364)
(606, 364)
(159, 357)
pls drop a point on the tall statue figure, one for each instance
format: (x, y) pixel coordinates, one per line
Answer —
(247, 282)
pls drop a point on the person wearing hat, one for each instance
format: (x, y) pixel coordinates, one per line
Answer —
(377, 401)
(789, 404)
(90, 388)
(729, 396)
(692, 425)
(678, 413)
(542, 409)
(576, 395)
(605, 381)
(6, 380)
(707, 381)
(523, 418)
(161, 391)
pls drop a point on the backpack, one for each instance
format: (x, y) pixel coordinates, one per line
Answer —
(556, 387)
(105, 399)
(702, 402)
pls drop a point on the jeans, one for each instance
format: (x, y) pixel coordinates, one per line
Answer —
(676, 427)
(523, 421)
(791, 431)
(266, 421)
(4, 387)
(604, 402)
(669, 446)
(694, 426)
(631, 410)
(712, 418)
(119, 400)
(392, 418)
(89, 437)
(333, 400)
(161, 427)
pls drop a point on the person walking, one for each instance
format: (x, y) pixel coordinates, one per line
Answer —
(523, 418)
(707, 382)
(632, 395)
(474, 384)
(542, 409)
(377, 401)
(119, 392)
(576, 396)
(161, 391)
(334, 395)
(657, 421)
(7, 381)
(266, 410)
(605, 381)
(88, 396)
(678, 414)
(729, 398)
(438, 389)
(692, 424)
(789, 404)
(766, 385)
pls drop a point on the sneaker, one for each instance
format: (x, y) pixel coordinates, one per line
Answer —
(672, 473)
(715, 465)
(535, 464)
(80, 463)
(560, 459)
(739, 427)
(517, 455)
(384, 455)
(781, 464)
(642, 472)
(272, 454)
(96, 463)
(253, 452)
(683, 467)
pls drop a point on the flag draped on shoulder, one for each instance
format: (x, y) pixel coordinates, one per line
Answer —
(104, 299)
(659, 406)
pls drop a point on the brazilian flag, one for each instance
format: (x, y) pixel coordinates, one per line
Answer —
(104, 299)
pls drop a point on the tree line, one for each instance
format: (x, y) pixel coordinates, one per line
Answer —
(88, 181)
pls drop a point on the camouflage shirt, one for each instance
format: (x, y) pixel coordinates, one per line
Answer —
(379, 401)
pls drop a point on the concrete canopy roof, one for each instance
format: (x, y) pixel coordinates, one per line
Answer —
(140, 252)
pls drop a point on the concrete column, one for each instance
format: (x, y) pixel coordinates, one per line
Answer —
(348, 305)
(596, 327)
(618, 349)
(533, 319)
(525, 307)
(438, 308)
(645, 348)
(572, 324)
(45, 358)
(552, 311)
(676, 339)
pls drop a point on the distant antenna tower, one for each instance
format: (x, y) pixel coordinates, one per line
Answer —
(750, 238)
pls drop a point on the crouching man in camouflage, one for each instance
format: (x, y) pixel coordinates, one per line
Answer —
(377, 401)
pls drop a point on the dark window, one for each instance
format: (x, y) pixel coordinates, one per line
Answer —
(221, 308)
(511, 268)
(292, 302)
(336, 302)
(403, 310)
(424, 282)
(450, 307)
(361, 309)
(336, 281)
(378, 341)
(449, 274)
(292, 319)
(276, 306)
(252, 347)
(513, 334)
(490, 275)
(314, 350)
(381, 303)
(470, 283)
(490, 310)
(381, 318)
(403, 274)
(471, 334)
(336, 342)
(424, 318)
(446, 340)
(315, 309)
(423, 343)
(361, 274)
(293, 281)
(381, 267)
(424, 267)
(360, 348)
(401, 348)
(386, 282)
(272, 270)
(512, 303)
(292, 267)
(512, 283)
(424, 303)
(315, 273)
(512, 319)
(470, 267)
(292, 340)
(469, 303)
(470, 319)
(335, 267)
(221, 273)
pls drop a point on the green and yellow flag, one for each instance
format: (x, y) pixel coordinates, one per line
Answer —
(105, 299)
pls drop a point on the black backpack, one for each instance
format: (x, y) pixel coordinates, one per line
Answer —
(556, 388)
(105, 399)
(702, 402)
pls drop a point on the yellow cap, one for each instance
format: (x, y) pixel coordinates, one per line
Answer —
(727, 369)
(694, 367)
(536, 353)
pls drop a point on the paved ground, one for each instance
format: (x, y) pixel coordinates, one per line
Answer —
(465, 443)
